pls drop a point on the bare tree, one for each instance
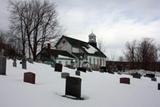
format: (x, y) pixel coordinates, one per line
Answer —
(17, 23)
(147, 52)
(131, 52)
(121, 59)
(101, 46)
(36, 22)
(144, 51)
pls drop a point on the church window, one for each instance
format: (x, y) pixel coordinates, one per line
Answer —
(90, 60)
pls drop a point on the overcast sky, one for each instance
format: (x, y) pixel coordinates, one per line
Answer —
(114, 22)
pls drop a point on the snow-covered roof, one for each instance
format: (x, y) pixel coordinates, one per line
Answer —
(85, 46)
(90, 49)
(64, 56)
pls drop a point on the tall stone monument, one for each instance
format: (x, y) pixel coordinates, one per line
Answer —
(14, 62)
(24, 63)
(2, 64)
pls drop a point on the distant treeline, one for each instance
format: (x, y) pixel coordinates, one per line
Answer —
(154, 66)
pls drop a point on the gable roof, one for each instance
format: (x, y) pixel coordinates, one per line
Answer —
(85, 46)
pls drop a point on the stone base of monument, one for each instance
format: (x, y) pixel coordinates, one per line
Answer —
(29, 77)
(73, 98)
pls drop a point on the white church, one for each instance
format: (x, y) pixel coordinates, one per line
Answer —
(72, 52)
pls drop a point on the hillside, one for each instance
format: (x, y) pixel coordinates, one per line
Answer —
(98, 89)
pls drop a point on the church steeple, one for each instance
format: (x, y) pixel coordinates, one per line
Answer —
(92, 39)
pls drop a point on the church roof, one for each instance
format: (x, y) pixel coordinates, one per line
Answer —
(92, 34)
(85, 46)
(56, 53)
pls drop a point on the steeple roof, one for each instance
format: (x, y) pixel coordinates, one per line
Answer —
(92, 34)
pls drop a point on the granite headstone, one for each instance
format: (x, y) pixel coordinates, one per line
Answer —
(73, 87)
(2, 65)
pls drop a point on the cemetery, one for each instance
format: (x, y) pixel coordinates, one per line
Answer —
(40, 85)
(46, 59)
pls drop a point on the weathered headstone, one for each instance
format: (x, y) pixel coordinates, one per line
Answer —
(58, 67)
(110, 72)
(64, 75)
(73, 87)
(2, 65)
(150, 75)
(53, 65)
(125, 80)
(119, 73)
(29, 77)
(153, 79)
(158, 86)
(103, 69)
(83, 69)
(30, 60)
(136, 75)
(78, 73)
(24, 63)
(14, 62)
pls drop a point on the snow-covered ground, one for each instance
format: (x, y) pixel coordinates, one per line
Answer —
(98, 89)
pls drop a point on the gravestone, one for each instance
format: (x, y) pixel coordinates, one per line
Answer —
(2, 65)
(103, 69)
(153, 79)
(125, 80)
(58, 67)
(136, 75)
(30, 60)
(73, 87)
(119, 73)
(158, 86)
(64, 75)
(24, 63)
(29, 77)
(78, 73)
(14, 62)
(53, 65)
(150, 75)
(83, 69)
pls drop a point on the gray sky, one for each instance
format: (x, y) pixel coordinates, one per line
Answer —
(113, 21)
